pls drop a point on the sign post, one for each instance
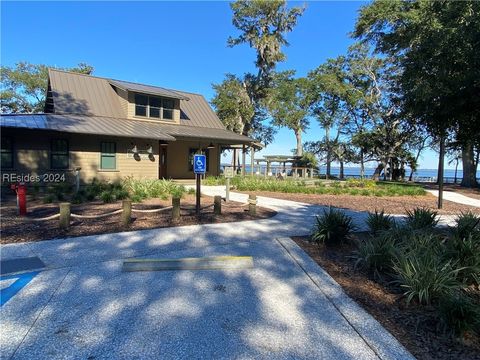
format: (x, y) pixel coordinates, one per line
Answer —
(228, 172)
(199, 168)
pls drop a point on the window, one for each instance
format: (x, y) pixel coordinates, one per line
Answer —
(59, 154)
(141, 104)
(108, 156)
(154, 107)
(192, 152)
(167, 109)
(7, 152)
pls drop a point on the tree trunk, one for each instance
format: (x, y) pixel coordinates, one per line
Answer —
(441, 162)
(341, 175)
(456, 170)
(362, 165)
(468, 162)
(377, 172)
(329, 151)
(298, 135)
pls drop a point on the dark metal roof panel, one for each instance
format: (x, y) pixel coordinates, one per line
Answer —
(147, 89)
(199, 113)
(78, 124)
(211, 134)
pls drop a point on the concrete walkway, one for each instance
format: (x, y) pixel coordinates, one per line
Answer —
(456, 197)
(287, 307)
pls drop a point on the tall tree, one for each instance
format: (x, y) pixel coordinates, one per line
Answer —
(287, 105)
(435, 44)
(23, 87)
(263, 25)
(326, 93)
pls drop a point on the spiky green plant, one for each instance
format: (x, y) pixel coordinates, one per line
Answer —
(333, 227)
(379, 221)
(421, 219)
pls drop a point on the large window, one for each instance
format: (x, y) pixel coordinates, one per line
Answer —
(154, 107)
(7, 152)
(108, 156)
(59, 154)
(192, 152)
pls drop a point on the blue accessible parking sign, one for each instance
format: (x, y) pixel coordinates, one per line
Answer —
(199, 164)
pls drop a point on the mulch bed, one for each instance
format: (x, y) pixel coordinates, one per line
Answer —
(21, 230)
(414, 326)
(390, 204)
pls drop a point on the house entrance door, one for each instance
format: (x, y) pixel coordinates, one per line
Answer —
(162, 161)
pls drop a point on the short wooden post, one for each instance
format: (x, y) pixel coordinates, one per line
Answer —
(252, 204)
(127, 212)
(217, 205)
(64, 215)
(175, 208)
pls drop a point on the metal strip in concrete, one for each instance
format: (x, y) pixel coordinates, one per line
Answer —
(209, 263)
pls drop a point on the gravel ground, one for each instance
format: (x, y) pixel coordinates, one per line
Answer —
(37, 231)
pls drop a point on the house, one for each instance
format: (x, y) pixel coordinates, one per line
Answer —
(109, 129)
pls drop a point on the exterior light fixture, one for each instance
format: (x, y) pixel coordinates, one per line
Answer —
(210, 146)
(150, 150)
(134, 149)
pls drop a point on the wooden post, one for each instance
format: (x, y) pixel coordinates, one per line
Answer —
(127, 212)
(175, 208)
(197, 206)
(235, 160)
(217, 205)
(64, 215)
(252, 204)
(227, 190)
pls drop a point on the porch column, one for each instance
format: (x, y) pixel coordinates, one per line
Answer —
(235, 160)
(252, 160)
(244, 160)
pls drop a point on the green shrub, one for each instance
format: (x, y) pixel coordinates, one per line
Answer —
(150, 188)
(467, 223)
(191, 191)
(49, 198)
(332, 227)
(376, 254)
(459, 313)
(466, 252)
(107, 196)
(178, 191)
(78, 198)
(120, 194)
(421, 218)
(424, 275)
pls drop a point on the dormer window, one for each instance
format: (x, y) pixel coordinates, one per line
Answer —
(154, 107)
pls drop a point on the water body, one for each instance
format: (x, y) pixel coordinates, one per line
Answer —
(354, 171)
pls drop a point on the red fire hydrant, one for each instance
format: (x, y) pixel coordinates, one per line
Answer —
(21, 190)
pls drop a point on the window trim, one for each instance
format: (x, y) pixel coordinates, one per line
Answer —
(114, 156)
(67, 154)
(11, 151)
(161, 108)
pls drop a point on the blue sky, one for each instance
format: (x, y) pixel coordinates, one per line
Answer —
(181, 45)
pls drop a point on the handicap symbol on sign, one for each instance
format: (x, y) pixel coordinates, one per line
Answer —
(200, 164)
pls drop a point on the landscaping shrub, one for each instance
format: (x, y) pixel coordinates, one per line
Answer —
(376, 254)
(459, 313)
(466, 252)
(107, 196)
(78, 198)
(467, 223)
(424, 275)
(49, 198)
(332, 227)
(421, 218)
(120, 194)
(151, 188)
(378, 222)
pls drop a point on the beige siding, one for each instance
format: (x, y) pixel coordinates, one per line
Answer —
(32, 156)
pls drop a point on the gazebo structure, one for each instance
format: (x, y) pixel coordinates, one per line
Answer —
(280, 169)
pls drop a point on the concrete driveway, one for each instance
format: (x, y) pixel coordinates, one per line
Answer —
(82, 306)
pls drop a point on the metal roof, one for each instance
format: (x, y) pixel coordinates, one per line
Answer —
(147, 89)
(81, 124)
(101, 125)
(75, 93)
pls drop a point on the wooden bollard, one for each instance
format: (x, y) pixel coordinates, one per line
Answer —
(175, 208)
(126, 212)
(64, 215)
(217, 205)
(252, 204)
